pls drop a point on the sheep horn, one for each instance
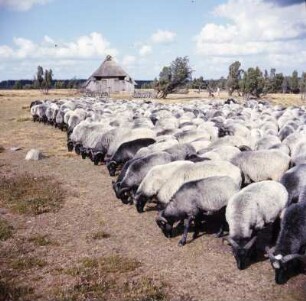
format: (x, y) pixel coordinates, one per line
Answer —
(232, 242)
(250, 243)
(293, 256)
(123, 190)
(160, 218)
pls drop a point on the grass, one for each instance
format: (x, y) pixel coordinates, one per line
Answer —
(110, 278)
(26, 194)
(23, 118)
(6, 230)
(100, 235)
(41, 240)
(26, 263)
(11, 291)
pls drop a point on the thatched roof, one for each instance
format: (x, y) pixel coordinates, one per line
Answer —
(109, 68)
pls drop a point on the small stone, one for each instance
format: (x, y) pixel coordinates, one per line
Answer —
(34, 154)
(15, 148)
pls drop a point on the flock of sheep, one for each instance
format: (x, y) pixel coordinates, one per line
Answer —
(245, 165)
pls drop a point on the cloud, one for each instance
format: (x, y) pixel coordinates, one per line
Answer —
(163, 37)
(91, 46)
(128, 60)
(145, 50)
(286, 2)
(275, 29)
(22, 5)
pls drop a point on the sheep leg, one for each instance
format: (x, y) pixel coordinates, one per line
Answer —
(275, 230)
(197, 225)
(187, 222)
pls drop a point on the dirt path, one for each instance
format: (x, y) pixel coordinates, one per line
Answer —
(203, 269)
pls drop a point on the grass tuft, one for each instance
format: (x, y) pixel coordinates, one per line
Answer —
(41, 240)
(100, 279)
(100, 235)
(30, 195)
(23, 119)
(10, 291)
(6, 230)
(26, 263)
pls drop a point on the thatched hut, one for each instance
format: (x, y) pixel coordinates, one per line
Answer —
(110, 78)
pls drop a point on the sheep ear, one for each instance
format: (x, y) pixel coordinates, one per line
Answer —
(161, 219)
(269, 253)
(250, 243)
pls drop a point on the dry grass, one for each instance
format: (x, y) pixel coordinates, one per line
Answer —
(99, 278)
(6, 230)
(99, 235)
(26, 194)
(27, 262)
(23, 118)
(10, 291)
(41, 240)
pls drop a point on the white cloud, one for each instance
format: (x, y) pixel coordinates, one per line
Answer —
(256, 32)
(85, 47)
(254, 27)
(22, 5)
(79, 57)
(128, 60)
(145, 50)
(163, 37)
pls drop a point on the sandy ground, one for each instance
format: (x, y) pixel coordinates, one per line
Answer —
(204, 269)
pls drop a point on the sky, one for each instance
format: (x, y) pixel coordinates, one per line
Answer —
(73, 37)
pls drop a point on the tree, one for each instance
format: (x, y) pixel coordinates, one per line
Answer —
(47, 82)
(285, 85)
(39, 76)
(302, 86)
(173, 77)
(252, 82)
(234, 75)
(17, 85)
(294, 82)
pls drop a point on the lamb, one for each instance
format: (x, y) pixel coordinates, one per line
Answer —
(138, 170)
(262, 165)
(206, 196)
(154, 180)
(294, 180)
(197, 171)
(290, 247)
(125, 152)
(248, 212)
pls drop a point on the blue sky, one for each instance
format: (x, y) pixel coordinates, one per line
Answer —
(73, 37)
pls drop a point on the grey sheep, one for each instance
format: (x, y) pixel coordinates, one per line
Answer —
(206, 196)
(249, 211)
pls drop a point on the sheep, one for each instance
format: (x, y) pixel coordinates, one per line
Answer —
(248, 211)
(138, 170)
(154, 180)
(206, 196)
(125, 152)
(125, 136)
(181, 151)
(262, 165)
(197, 171)
(294, 180)
(290, 246)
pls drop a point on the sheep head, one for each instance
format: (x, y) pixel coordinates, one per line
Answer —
(284, 266)
(242, 250)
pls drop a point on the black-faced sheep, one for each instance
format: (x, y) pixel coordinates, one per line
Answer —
(290, 247)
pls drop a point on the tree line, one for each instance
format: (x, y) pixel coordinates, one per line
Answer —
(250, 82)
